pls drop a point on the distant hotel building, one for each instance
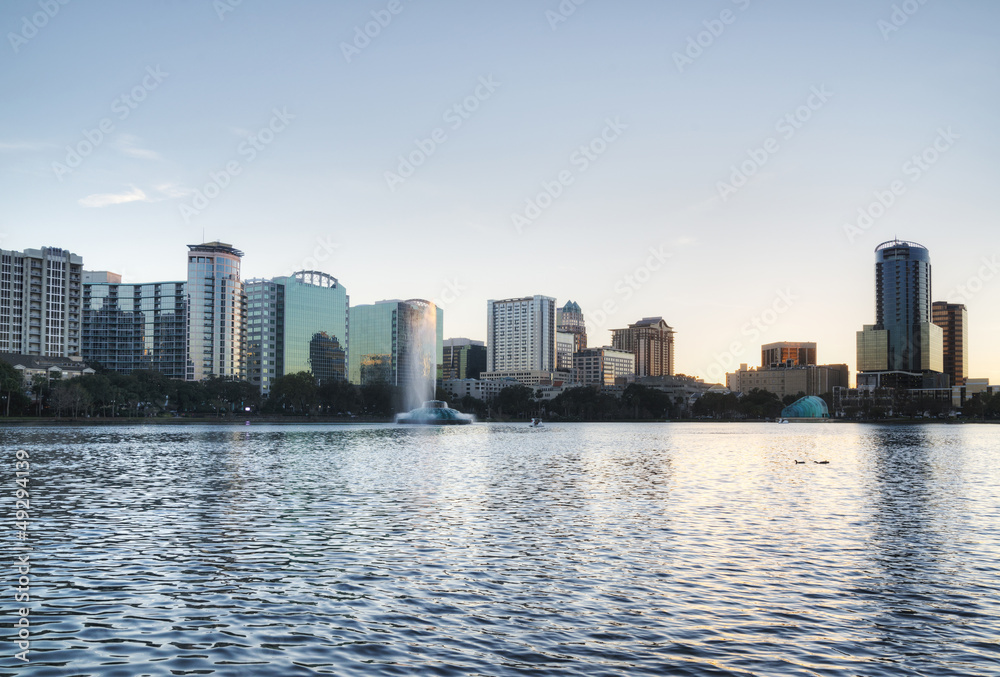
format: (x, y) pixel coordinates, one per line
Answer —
(787, 354)
(903, 349)
(651, 340)
(216, 312)
(462, 358)
(399, 343)
(134, 326)
(603, 366)
(954, 321)
(520, 337)
(296, 323)
(40, 292)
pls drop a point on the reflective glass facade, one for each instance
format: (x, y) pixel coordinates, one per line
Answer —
(397, 342)
(216, 312)
(297, 323)
(136, 326)
(903, 301)
(953, 319)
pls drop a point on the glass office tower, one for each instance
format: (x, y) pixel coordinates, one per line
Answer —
(400, 343)
(903, 339)
(297, 323)
(216, 312)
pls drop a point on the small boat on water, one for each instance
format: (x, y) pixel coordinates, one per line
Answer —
(535, 422)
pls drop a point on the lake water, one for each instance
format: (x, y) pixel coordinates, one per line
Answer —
(570, 549)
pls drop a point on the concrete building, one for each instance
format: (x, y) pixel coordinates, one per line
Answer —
(603, 366)
(787, 354)
(40, 297)
(520, 335)
(809, 379)
(462, 358)
(478, 388)
(903, 348)
(216, 326)
(529, 377)
(297, 323)
(569, 319)
(651, 340)
(953, 320)
(134, 326)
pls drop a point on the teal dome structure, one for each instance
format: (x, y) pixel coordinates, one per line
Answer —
(434, 412)
(809, 406)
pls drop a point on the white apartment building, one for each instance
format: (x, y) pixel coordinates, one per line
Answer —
(40, 298)
(521, 335)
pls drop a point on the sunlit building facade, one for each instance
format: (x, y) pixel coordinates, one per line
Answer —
(787, 354)
(651, 340)
(134, 326)
(216, 312)
(603, 366)
(953, 319)
(40, 302)
(569, 319)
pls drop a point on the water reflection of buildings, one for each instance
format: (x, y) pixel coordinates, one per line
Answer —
(913, 540)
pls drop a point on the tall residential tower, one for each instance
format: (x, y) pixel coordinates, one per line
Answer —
(216, 312)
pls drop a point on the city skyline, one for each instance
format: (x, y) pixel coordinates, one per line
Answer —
(460, 147)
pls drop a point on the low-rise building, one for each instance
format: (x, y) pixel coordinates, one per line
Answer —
(474, 387)
(53, 368)
(809, 379)
(604, 366)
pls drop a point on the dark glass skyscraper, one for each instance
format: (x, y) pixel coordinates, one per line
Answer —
(903, 338)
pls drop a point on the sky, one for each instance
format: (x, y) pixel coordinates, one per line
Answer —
(728, 165)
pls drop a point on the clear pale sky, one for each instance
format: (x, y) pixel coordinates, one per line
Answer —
(157, 98)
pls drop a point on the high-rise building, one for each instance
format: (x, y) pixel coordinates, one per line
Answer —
(289, 319)
(953, 320)
(521, 334)
(40, 302)
(462, 359)
(216, 312)
(566, 343)
(903, 348)
(569, 319)
(787, 354)
(651, 340)
(397, 342)
(134, 326)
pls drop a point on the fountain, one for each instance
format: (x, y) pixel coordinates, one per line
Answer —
(434, 412)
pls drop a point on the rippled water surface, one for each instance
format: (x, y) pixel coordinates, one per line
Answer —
(571, 549)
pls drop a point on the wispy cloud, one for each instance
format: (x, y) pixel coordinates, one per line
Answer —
(13, 146)
(106, 199)
(128, 145)
(172, 190)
